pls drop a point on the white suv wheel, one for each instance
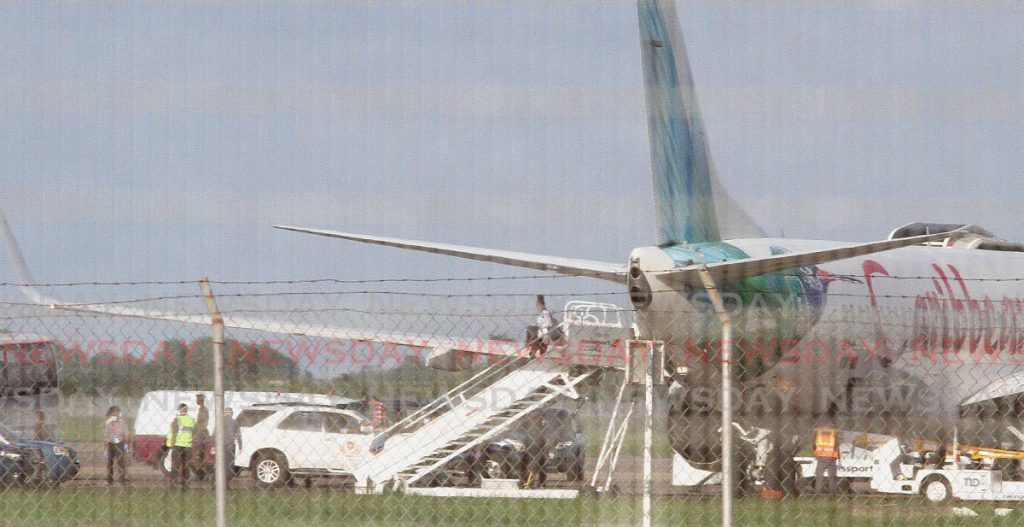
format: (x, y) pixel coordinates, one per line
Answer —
(268, 471)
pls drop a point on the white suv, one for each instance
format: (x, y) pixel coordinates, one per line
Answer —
(280, 441)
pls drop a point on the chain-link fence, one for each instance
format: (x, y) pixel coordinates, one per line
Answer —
(402, 402)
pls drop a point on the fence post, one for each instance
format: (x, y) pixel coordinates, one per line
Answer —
(219, 471)
(648, 431)
(723, 317)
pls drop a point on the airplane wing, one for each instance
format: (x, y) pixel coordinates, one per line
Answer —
(446, 353)
(737, 269)
(1010, 385)
(721, 271)
(556, 264)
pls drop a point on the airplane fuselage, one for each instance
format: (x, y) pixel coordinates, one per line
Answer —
(895, 340)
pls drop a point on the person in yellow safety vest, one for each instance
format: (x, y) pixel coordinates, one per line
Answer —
(179, 440)
(826, 457)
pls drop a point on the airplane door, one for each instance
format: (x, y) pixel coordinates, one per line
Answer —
(302, 438)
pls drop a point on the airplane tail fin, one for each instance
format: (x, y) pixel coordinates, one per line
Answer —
(692, 205)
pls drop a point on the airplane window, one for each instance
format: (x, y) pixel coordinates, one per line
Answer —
(303, 422)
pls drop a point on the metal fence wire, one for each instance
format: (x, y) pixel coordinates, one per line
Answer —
(401, 402)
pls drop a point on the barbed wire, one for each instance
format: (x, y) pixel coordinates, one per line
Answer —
(489, 278)
(414, 294)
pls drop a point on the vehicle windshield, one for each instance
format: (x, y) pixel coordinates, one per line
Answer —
(8, 436)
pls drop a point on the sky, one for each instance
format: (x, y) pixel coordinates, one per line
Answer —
(160, 140)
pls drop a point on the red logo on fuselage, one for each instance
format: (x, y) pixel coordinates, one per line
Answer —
(949, 319)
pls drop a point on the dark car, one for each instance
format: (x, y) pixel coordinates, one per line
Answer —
(20, 465)
(54, 463)
(554, 433)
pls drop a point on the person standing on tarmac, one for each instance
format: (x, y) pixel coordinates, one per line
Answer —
(232, 437)
(202, 430)
(115, 440)
(826, 457)
(179, 440)
(535, 453)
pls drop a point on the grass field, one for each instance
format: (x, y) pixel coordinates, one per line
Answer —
(89, 506)
(81, 428)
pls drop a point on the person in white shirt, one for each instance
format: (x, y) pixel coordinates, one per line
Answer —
(544, 332)
(115, 438)
(544, 320)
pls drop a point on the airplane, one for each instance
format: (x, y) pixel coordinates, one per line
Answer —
(897, 336)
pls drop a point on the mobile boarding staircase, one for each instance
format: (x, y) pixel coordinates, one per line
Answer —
(421, 445)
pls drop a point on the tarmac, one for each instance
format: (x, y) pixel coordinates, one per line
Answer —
(628, 475)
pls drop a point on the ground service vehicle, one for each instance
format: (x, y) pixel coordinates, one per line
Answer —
(28, 379)
(28, 364)
(969, 473)
(856, 461)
